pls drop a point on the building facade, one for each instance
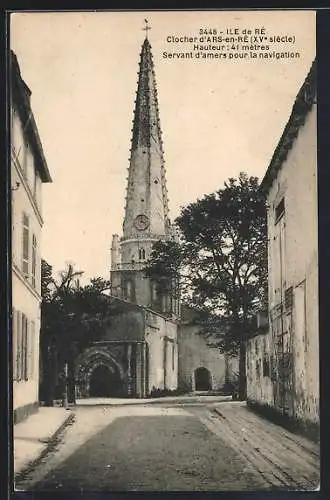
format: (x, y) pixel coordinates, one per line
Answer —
(29, 171)
(283, 361)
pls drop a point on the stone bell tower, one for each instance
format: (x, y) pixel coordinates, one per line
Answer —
(146, 217)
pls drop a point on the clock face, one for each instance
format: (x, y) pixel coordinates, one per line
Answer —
(141, 222)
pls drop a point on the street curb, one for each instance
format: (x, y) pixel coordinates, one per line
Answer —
(152, 401)
(51, 444)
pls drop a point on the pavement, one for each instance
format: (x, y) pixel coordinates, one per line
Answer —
(282, 458)
(34, 436)
(187, 446)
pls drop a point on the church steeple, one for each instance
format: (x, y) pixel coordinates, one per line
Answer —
(146, 217)
(146, 211)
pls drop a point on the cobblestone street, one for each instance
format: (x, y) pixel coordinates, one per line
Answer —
(175, 447)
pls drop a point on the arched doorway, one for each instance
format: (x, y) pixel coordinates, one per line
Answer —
(99, 374)
(104, 382)
(203, 379)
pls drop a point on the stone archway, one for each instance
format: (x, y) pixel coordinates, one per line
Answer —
(104, 382)
(203, 379)
(99, 374)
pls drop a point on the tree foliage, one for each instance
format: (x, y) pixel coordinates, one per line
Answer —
(220, 258)
(71, 317)
(70, 310)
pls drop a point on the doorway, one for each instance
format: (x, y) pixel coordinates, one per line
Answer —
(104, 382)
(203, 380)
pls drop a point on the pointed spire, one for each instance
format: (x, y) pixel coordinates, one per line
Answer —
(146, 187)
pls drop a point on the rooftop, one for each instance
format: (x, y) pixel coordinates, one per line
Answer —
(20, 94)
(304, 101)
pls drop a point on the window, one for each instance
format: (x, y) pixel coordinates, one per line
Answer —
(25, 260)
(173, 356)
(25, 347)
(34, 260)
(19, 346)
(279, 250)
(31, 348)
(279, 210)
(22, 348)
(14, 343)
(142, 254)
(17, 138)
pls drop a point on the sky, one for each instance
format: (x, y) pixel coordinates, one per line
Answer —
(218, 117)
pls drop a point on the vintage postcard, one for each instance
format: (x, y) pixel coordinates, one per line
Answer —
(164, 250)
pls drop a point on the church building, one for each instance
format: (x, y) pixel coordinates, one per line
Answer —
(139, 352)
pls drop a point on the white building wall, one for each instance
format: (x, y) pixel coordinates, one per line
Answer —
(171, 355)
(25, 392)
(297, 183)
(26, 295)
(161, 336)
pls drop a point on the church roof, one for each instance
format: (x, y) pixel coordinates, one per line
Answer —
(122, 306)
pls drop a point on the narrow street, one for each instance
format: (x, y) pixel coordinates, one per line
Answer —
(175, 446)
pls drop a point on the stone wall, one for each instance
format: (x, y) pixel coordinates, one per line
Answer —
(195, 353)
(127, 325)
(258, 367)
(161, 337)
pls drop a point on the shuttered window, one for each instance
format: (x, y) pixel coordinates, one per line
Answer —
(34, 260)
(25, 256)
(19, 346)
(24, 347)
(279, 250)
(14, 342)
(31, 347)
